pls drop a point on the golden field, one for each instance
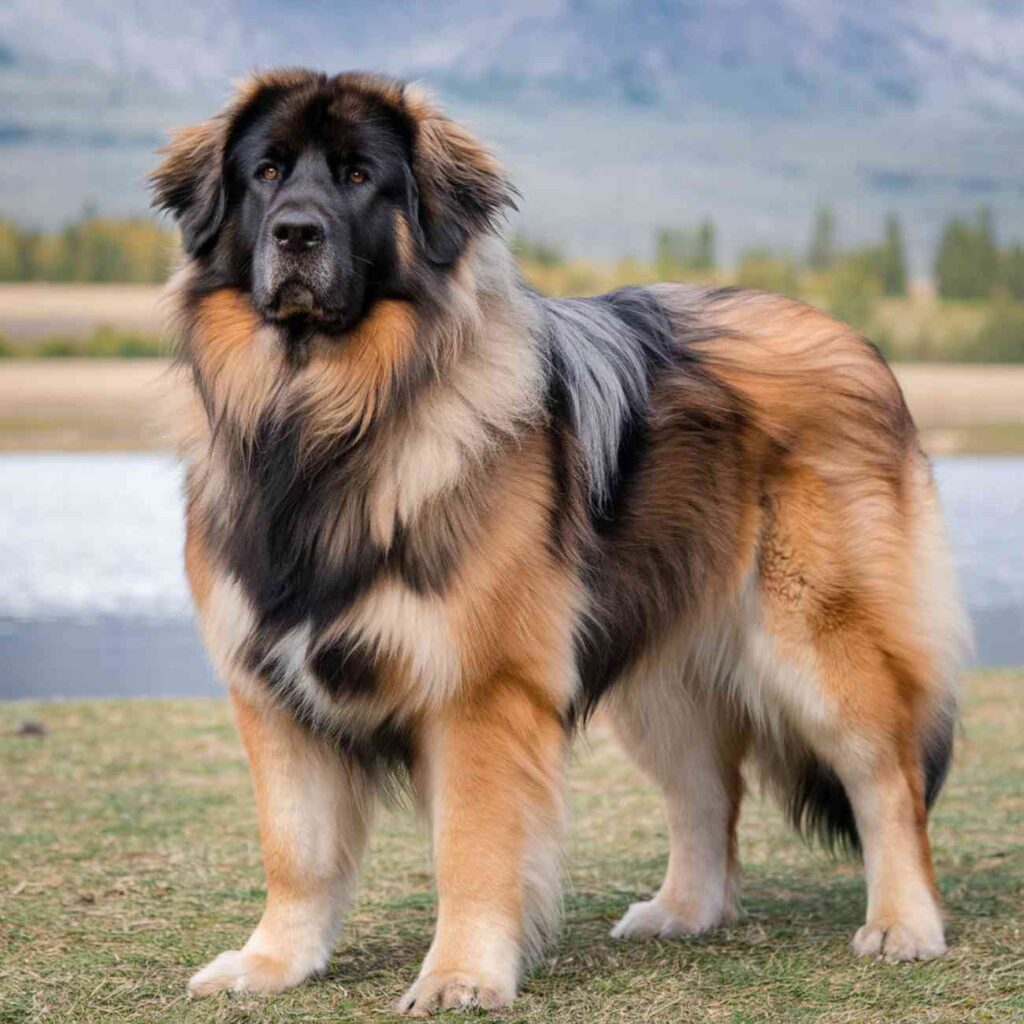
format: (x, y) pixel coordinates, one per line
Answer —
(90, 403)
(103, 404)
(32, 312)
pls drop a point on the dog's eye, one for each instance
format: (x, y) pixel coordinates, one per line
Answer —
(356, 176)
(268, 172)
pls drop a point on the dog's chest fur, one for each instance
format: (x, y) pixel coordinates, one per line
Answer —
(334, 568)
(337, 537)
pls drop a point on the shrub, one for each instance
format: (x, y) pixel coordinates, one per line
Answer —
(769, 271)
(1001, 338)
(111, 342)
(53, 348)
(681, 252)
(854, 290)
(534, 250)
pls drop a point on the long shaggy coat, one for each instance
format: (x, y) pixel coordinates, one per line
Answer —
(426, 543)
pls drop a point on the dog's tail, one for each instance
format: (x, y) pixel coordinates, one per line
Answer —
(818, 807)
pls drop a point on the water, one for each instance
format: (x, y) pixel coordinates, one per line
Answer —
(93, 599)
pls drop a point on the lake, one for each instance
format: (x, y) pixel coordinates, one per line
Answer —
(93, 599)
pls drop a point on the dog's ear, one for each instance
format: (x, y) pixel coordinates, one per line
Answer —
(459, 189)
(189, 183)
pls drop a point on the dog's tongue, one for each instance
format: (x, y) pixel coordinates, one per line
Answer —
(295, 300)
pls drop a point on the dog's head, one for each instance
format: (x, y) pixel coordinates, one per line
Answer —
(319, 195)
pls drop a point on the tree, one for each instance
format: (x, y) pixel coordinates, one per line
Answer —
(892, 258)
(967, 261)
(10, 262)
(92, 249)
(535, 250)
(705, 246)
(986, 251)
(672, 251)
(769, 271)
(1013, 270)
(1001, 338)
(681, 251)
(952, 271)
(854, 289)
(822, 253)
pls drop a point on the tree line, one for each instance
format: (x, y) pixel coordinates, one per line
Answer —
(968, 264)
(982, 320)
(92, 249)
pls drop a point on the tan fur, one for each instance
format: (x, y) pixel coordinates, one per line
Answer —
(238, 359)
(773, 565)
(314, 814)
(493, 766)
(200, 572)
(692, 749)
(837, 587)
(345, 386)
(405, 247)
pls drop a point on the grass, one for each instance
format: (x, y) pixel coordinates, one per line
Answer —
(104, 342)
(128, 857)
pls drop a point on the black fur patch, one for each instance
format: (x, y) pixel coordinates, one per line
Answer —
(817, 807)
(646, 321)
(345, 668)
(385, 751)
(565, 469)
(279, 543)
(642, 580)
(938, 755)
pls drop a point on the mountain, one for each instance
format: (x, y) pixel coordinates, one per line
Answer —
(615, 117)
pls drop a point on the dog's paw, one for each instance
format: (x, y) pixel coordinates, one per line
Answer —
(653, 919)
(242, 971)
(454, 990)
(896, 941)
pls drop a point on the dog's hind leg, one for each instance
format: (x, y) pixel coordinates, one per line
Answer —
(314, 810)
(861, 741)
(692, 749)
(859, 770)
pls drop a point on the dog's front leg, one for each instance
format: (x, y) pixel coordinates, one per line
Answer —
(492, 778)
(314, 811)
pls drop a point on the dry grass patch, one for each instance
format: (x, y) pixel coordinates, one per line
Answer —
(128, 857)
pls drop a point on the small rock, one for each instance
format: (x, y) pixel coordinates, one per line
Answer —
(30, 728)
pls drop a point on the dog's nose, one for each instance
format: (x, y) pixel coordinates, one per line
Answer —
(297, 234)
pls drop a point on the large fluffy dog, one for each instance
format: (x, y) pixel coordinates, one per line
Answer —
(434, 518)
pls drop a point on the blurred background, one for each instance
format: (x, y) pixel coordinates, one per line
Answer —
(862, 155)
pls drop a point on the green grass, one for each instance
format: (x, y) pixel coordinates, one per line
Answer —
(103, 342)
(129, 856)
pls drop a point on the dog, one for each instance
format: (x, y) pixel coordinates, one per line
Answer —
(435, 519)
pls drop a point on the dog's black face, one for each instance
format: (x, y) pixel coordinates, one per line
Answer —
(318, 194)
(314, 189)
